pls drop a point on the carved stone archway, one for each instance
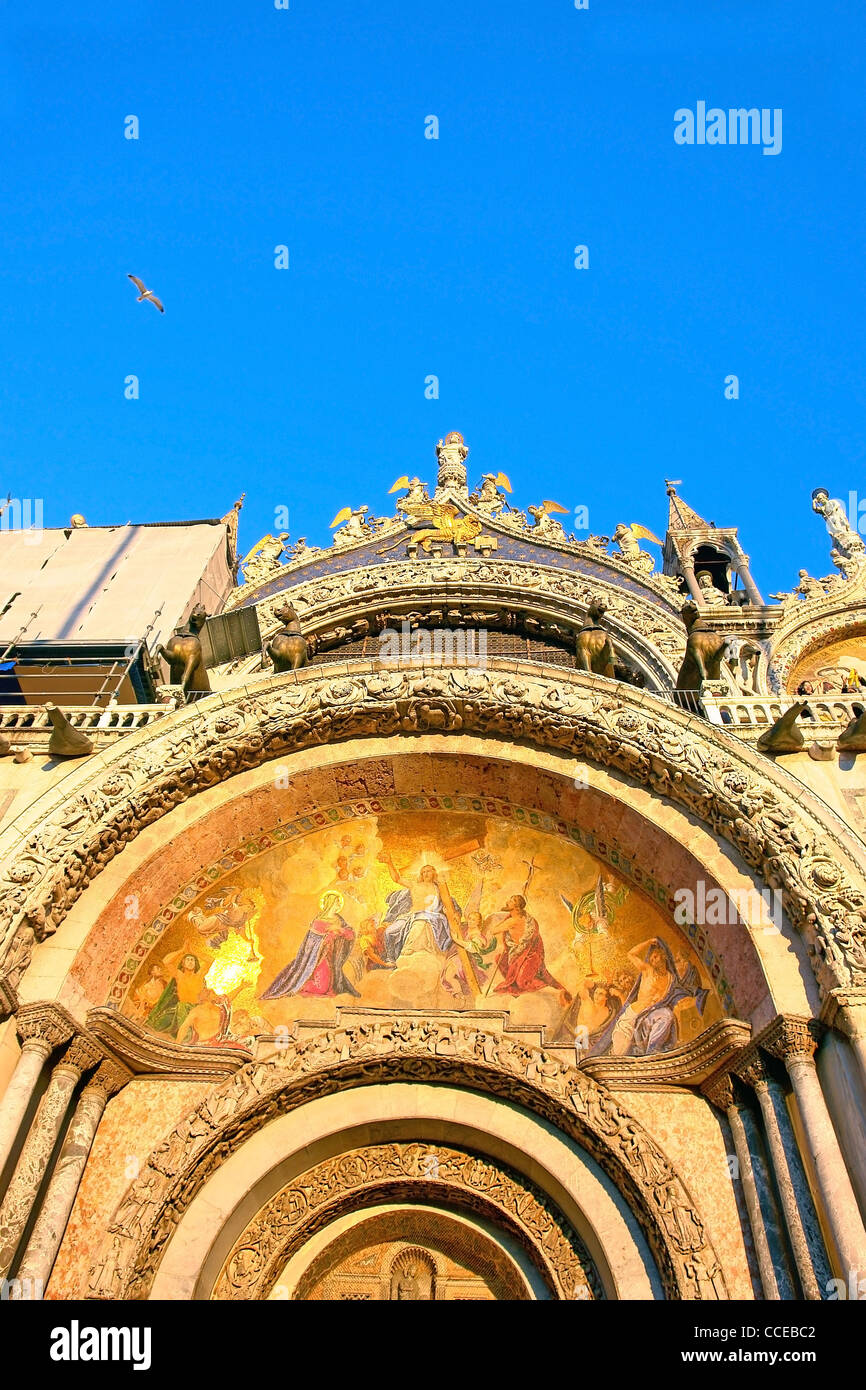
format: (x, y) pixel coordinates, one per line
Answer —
(808, 628)
(644, 628)
(784, 832)
(398, 1049)
(457, 1179)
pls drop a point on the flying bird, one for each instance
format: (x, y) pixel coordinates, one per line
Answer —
(145, 293)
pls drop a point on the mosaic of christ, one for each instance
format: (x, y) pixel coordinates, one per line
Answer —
(426, 910)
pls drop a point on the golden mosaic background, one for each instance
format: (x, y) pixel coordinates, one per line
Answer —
(309, 925)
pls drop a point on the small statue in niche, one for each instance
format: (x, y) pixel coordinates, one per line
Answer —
(593, 647)
(183, 652)
(288, 649)
(710, 595)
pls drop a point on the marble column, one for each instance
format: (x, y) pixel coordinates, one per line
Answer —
(38, 1262)
(740, 563)
(754, 1070)
(723, 1092)
(794, 1041)
(81, 1055)
(42, 1028)
(692, 584)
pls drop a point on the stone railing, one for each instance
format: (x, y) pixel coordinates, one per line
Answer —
(28, 726)
(749, 716)
(746, 716)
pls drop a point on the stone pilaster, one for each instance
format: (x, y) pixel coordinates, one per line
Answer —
(724, 1093)
(845, 1010)
(794, 1041)
(754, 1070)
(81, 1055)
(38, 1262)
(42, 1028)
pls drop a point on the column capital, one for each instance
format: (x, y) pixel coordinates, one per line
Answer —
(81, 1055)
(845, 1010)
(719, 1091)
(109, 1078)
(791, 1038)
(752, 1067)
(44, 1026)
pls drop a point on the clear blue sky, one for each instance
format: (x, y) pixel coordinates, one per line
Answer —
(411, 257)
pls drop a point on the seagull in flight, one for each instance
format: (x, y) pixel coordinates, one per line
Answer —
(145, 293)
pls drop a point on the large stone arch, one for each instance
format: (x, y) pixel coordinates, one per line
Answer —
(408, 1049)
(644, 630)
(459, 1179)
(784, 833)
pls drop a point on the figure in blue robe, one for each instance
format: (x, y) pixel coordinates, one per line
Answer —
(317, 968)
(655, 1028)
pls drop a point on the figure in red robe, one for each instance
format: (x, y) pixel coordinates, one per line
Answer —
(522, 958)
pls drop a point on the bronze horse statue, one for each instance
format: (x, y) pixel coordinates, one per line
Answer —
(593, 648)
(183, 652)
(705, 648)
(288, 648)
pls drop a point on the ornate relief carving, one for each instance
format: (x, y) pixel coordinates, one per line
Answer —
(377, 585)
(48, 1023)
(788, 1037)
(809, 628)
(429, 1172)
(784, 834)
(399, 1048)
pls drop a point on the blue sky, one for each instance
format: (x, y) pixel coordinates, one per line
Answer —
(452, 257)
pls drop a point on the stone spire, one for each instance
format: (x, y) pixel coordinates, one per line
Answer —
(681, 517)
(451, 453)
(706, 556)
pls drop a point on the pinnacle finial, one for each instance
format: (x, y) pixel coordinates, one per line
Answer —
(451, 453)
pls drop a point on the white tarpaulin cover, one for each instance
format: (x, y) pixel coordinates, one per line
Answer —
(105, 583)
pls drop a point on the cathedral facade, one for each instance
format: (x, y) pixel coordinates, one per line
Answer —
(462, 910)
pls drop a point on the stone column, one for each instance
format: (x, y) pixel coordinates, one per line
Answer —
(754, 1071)
(740, 562)
(42, 1028)
(794, 1041)
(81, 1055)
(44, 1243)
(769, 1242)
(692, 584)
